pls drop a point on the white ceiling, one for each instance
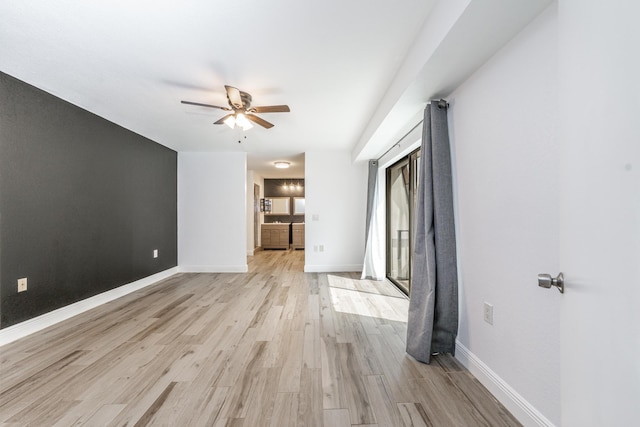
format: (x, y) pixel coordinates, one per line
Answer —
(342, 66)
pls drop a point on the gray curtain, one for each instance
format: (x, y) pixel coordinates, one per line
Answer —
(433, 305)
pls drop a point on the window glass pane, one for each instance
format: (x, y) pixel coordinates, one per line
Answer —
(398, 220)
(402, 183)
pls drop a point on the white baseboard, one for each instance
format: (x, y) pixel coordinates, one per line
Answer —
(511, 399)
(22, 329)
(332, 268)
(249, 252)
(213, 268)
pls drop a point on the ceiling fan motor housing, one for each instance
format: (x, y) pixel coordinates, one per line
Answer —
(246, 99)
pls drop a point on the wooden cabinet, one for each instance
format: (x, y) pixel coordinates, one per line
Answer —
(297, 236)
(275, 236)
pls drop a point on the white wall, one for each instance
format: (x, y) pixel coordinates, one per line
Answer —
(503, 126)
(335, 191)
(212, 223)
(252, 179)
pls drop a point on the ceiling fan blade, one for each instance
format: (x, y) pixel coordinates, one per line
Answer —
(221, 121)
(233, 95)
(271, 109)
(206, 105)
(258, 120)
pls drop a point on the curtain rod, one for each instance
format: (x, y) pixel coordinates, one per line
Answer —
(442, 103)
(400, 140)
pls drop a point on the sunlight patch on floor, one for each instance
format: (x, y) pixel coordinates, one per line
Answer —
(366, 298)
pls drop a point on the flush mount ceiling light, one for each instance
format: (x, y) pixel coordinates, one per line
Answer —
(282, 165)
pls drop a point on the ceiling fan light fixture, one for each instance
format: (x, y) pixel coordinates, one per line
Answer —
(243, 122)
(282, 165)
(239, 105)
(230, 121)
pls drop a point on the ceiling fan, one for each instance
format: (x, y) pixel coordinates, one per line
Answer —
(242, 112)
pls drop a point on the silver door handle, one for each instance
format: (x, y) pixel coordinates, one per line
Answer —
(546, 281)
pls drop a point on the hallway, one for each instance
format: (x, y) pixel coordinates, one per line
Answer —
(272, 347)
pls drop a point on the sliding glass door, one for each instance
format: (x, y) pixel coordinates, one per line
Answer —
(402, 180)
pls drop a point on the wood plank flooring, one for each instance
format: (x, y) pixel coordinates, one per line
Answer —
(272, 347)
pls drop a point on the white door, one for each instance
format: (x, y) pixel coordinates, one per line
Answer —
(599, 133)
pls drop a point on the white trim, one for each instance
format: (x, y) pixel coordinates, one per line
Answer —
(524, 411)
(332, 268)
(21, 330)
(249, 252)
(213, 268)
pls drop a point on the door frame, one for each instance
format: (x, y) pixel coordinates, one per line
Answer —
(256, 215)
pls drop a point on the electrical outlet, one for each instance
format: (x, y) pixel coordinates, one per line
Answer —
(155, 253)
(315, 248)
(488, 313)
(22, 284)
(321, 247)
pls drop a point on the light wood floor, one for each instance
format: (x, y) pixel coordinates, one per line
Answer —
(273, 347)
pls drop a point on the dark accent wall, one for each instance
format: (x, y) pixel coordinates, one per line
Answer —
(275, 188)
(83, 203)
